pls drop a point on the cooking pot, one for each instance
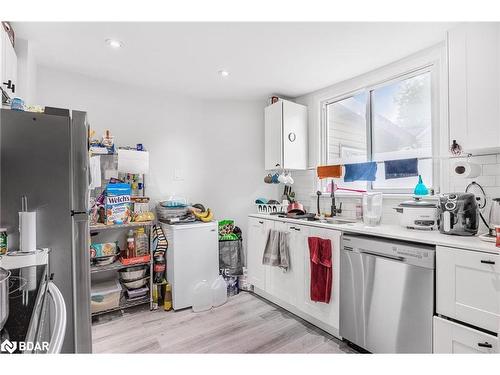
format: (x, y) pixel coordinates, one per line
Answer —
(296, 208)
(4, 296)
(418, 214)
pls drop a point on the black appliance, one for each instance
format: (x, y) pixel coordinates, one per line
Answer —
(27, 291)
(459, 214)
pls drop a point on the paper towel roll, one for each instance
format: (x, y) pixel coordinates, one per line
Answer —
(466, 170)
(27, 231)
(29, 274)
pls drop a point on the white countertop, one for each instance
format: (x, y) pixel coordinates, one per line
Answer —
(24, 260)
(432, 237)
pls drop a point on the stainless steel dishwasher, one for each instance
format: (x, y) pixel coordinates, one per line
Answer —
(386, 294)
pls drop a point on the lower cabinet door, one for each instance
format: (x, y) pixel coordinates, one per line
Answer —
(468, 287)
(258, 230)
(451, 337)
(282, 284)
(327, 313)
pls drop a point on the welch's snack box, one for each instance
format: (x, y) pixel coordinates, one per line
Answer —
(117, 204)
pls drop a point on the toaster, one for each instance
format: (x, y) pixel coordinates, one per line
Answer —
(458, 214)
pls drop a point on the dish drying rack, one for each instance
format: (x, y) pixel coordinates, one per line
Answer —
(268, 209)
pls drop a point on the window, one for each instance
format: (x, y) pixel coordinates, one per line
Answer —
(384, 122)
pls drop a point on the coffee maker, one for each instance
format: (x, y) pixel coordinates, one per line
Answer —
(459, 214)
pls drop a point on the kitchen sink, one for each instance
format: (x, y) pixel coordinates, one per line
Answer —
(335, 220)
(327, 220)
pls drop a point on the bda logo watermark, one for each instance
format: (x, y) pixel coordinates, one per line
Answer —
(8, 346)
(11, 346)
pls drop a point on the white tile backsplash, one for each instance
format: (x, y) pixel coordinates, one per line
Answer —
(491, 169)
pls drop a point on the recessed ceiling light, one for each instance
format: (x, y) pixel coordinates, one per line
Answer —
(114, 43)
(224, 73)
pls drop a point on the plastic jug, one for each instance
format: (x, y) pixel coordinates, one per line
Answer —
(219, 291)
(202, 296)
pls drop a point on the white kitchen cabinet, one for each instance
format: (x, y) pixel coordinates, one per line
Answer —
(474, 86)
(8, 65)
(285, 136)
(286, 286)
(327, 313)
(258, 230)
(468, 287)
(450, 337)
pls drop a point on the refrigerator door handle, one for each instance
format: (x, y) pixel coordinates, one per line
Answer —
(80, 161)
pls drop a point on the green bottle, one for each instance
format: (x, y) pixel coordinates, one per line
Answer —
(420, 188)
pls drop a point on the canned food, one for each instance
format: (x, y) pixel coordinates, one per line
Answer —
(3, 241)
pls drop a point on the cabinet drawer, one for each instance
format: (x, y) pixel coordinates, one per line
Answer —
(468, 287)
(451, 337)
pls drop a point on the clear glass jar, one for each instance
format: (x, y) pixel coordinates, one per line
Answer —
(372, 209)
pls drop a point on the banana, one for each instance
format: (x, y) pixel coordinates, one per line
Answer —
(208, 218)
(197, 214)
(204, 216)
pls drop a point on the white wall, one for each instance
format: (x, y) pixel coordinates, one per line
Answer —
(218, 146)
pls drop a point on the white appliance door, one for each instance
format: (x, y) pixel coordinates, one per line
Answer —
(196, 258)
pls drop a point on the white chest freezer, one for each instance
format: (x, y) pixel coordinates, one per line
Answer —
(192, 256)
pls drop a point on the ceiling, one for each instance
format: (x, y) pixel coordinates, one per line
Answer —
(289, 59)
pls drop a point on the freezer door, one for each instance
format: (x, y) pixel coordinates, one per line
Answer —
(80, 161)
(81, 280)
(35, 161)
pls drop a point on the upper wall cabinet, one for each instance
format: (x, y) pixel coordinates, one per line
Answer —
(8, 65)
(285, 136)
(474, 86)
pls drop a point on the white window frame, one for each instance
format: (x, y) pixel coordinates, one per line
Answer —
(430, 67)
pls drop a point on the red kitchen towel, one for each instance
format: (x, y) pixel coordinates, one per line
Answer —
(320, 255)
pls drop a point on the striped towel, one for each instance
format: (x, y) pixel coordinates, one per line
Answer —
(160, 242)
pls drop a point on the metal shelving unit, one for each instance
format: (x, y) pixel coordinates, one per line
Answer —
(110, 160)
(124, 304)
(117, 265)
(134, 224)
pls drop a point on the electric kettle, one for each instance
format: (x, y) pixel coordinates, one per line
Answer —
(494, 215)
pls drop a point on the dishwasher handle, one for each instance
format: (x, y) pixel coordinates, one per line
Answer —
(387, 256)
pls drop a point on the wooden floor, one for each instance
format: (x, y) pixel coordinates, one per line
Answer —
(245, 324)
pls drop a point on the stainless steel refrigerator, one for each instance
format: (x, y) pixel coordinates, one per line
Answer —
(45, 158)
